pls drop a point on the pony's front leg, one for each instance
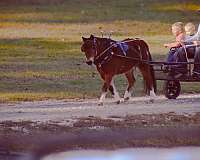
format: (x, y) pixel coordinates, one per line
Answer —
(106, 85)
(103, 94)
(114, 92)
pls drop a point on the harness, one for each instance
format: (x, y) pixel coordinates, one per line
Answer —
(123, 46)
(103, 58)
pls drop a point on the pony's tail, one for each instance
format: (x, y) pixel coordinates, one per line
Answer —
(152, 72)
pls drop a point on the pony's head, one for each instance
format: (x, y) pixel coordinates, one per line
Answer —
(89, 48)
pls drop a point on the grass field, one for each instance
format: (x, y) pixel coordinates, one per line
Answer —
(40, 55)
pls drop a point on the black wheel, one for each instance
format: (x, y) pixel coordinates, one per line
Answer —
(172, 89)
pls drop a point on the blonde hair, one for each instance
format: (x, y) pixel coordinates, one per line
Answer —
(178, 26)
(190, 28)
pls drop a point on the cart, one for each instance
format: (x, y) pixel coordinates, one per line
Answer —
(172, 74)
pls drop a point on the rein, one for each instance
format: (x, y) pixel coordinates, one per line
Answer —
(136, 59)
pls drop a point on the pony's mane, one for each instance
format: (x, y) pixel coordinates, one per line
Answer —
(102, 39)
(104, 42)
(105, 39)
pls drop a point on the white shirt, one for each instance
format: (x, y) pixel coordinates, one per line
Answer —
(196, 37)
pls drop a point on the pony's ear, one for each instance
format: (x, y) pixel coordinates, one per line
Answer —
(92, 36)
(83, 38)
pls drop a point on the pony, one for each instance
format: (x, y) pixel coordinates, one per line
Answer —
(119, 57)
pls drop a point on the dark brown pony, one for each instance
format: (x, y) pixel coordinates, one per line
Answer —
(113, 57)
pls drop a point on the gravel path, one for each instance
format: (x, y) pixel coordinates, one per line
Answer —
(62, 110)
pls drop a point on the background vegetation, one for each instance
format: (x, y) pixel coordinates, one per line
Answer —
(40, 41)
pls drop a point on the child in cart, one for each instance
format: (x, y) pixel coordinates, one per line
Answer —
(178, 32)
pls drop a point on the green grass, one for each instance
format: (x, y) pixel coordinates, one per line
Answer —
(40, 55)
(101, 10)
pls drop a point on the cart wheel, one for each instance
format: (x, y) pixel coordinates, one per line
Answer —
(172, 89)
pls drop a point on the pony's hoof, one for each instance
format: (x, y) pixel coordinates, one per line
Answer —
(118, 102)
(151, 100)
(100, 104)
(126, 99)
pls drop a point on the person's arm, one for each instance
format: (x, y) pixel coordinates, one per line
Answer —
(171, 45)
(179, 39)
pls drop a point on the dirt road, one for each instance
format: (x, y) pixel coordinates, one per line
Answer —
(136, 123)
(53, 110)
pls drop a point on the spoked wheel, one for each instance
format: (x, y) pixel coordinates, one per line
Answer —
(172, 89)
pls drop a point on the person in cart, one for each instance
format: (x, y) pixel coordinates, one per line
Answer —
(190, 49)
(178, 32)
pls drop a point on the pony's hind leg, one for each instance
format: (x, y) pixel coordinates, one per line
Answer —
(131, 80)
(148, 80)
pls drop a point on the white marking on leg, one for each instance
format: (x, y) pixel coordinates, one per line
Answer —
(103, 96)
(152, 96)
(152, 93)
(127, 95)
(116, 94)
